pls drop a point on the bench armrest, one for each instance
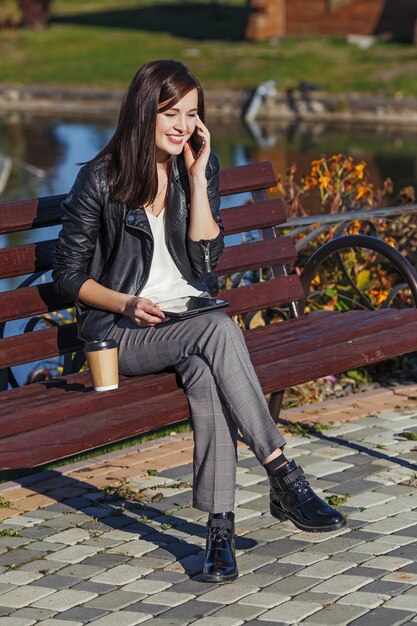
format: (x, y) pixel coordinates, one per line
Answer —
(399, 261)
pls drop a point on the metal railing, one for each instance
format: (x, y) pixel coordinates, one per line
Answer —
(295, 226)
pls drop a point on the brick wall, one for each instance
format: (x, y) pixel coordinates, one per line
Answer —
(396, 17)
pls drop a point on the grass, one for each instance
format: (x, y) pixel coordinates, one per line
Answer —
(408, 435)
(100, 44)
(335, 500)
(304, 430)
(9, 532)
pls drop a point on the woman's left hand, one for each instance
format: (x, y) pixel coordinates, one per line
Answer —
(196, 163)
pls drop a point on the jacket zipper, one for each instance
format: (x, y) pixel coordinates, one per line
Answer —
(206, 250)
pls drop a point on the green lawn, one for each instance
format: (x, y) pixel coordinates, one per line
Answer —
(100, 44)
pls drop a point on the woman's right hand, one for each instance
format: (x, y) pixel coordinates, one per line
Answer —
(143, 311)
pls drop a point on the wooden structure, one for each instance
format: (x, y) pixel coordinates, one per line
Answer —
(48, 420)
(394, 19)
(268, 20)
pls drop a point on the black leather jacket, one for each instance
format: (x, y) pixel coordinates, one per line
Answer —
(112, 243)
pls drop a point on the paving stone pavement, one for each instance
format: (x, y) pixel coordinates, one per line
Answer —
(113, 541)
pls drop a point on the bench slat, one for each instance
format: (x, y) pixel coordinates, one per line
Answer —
(37, 409)
(293, 339)
(29, 301)
(99, 428)
(43, 344)
(245, 178)
(29, 258)
(72, 435)
(47, 211)
(257, 254)
(39, 345)
(32, 257)
(254, 216)
(28, 214)
(263, 295)
(356, 352)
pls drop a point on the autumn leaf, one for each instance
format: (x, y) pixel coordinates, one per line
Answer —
(362, 279)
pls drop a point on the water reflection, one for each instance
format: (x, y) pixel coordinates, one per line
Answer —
(56, 146)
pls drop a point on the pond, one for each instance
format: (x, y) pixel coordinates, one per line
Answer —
(45, 153)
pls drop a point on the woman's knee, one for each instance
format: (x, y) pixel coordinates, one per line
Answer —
(195, 370)
(219, 322)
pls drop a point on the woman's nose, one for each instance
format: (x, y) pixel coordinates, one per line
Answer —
(183, 125)
(180, 124)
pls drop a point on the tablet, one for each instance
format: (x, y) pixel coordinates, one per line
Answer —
(190, 306)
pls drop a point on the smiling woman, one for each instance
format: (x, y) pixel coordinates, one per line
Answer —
(142, 225)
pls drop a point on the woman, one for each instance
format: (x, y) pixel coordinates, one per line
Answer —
(142, 225)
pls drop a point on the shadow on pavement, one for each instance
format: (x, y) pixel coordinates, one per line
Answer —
(110, 511)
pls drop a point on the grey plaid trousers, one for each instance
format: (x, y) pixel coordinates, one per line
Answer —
(210, 356)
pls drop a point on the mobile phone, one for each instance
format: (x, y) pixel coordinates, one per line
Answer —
(197, 143)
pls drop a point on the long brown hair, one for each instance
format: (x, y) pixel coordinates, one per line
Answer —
(132, 172)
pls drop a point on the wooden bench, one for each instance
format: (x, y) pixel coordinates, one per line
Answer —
(44, 421)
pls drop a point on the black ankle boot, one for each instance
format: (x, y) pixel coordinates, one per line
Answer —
(220, 562)
(291, 497)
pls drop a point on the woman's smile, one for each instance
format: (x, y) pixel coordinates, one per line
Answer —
(177, 139)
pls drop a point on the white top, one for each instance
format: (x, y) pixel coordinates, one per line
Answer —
(165, 281)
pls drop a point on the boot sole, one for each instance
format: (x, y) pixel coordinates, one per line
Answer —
(213, 578)
(282, 516)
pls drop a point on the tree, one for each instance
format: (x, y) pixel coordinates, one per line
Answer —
(35, 13)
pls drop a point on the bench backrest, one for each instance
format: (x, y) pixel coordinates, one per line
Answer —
(34, 259)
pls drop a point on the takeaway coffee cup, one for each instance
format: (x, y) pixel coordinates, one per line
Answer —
(103, 364)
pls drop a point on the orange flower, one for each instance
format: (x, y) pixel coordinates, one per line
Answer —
(379, 295)
(341, 181)
(316, 282)
(316, 167)
(348, 165)
(364, 191)
(278, 188)
(359, 169)
(355, 227)
(309, 182)
(324, 181)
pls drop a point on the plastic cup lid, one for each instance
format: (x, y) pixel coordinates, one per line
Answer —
(100, 344)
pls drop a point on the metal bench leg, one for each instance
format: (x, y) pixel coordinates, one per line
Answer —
(275, 404)
(4, 380)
